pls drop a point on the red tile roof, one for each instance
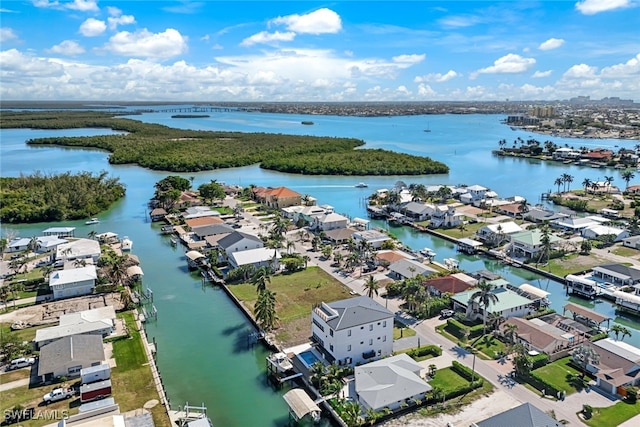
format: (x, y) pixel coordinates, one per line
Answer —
(448, 284)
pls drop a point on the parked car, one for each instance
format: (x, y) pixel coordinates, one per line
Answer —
(20, 362)
(446, 313)
(58, 394)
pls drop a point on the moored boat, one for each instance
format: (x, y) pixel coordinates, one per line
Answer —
(126, 244)
(93, 221)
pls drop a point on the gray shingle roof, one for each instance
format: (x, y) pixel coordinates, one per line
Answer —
(357, 311)
(76, 347)
(212, 229)
(235, 237)
(525, 415)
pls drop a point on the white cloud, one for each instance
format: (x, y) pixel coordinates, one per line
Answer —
(146, 44)
(580, 71)
(16, 65)
(631, 68)
(67, 47)
(437, 77)
(267, 38)
(541, 74)
(425, 90)
(7, 34)
(551, 44)
(321, 21)
(80, 5)
(460, 21)
(117, 18)
(92, 27)
(409, 59)
(591, 7)
(508, 64)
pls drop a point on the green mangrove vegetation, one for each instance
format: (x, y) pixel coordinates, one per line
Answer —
(163, 148)
(43, 198)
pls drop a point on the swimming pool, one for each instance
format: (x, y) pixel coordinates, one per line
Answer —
(308, 358)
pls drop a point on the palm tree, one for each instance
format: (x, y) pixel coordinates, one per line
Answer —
(627, 176)
(558, 182)
(522, 363)
(306, 259)
(92, 235)
(15, 289)
(484, 297)
(620, 330)
(568, 179)
(511, 332)
(545, 244)
(265, 310)
(586, 183)
(261, 278)
(371, 286)
(351, 414)
(523, 207)
(608, 180)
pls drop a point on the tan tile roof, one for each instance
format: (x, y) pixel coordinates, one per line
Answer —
(448, 284)
(207, 220)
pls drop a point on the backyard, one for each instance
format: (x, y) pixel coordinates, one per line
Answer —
(613, 415)
(561, 375)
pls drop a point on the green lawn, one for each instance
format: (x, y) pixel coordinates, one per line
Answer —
(26, 334)
(613, 415)
(447, 379)
(401, 331)
(571, 263)
(469, 230)
(556, 373)
(295, 293)
(489, 345)
(624, 251)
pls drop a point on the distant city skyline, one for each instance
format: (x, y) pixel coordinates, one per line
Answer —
(263, 51)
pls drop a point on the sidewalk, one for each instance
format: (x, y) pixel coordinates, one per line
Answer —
(14, 384)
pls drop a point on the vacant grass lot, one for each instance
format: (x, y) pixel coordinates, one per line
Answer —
(447, 379)
(558, 373)
(613, 415)
(295, 296)
(572, 263)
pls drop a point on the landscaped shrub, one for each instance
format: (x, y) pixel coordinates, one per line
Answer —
(424, 351)
(457, 328)
(539, 360)
(632, 394)
(598, 337)
(541, 384)
(540, 313)
(464, 371)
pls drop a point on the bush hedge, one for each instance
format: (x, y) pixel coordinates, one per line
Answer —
(457, 328)
(464, 371)
(424, 351)
(540, 360)
(541, 384)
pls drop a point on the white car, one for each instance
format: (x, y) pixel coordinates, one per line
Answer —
(21, 362)
(447, 313)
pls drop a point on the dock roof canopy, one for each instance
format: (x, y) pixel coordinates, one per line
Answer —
(585, 312)
(300, 402)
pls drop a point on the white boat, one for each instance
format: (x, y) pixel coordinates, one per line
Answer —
(92, 221)
(281, 362)
(126, 244)
(427, 253)
(361, 185)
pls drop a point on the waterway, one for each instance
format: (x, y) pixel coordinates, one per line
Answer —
(201, 336)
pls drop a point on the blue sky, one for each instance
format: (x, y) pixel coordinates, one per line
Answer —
(318, 51)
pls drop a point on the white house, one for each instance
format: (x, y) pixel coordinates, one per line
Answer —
(631, 242)
(98, 321)
(509, 304)
(618, 365)
(407, 269)
(473, 194)
(528, 243)
(49, 243)
(61, 232)
(373, 237)
(79, 249)
(260, 257)
(593, 232)
(446, 216)
(18, 245)
(389, 383)
(352, 331)
(574, 224)
(330, 221)
(498, 232)
(73, 282)
(238, 241)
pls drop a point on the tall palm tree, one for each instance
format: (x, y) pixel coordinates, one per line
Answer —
(586, 183)
(265, 310)
(484, 297)
(261, 278)
(627, 176)
(620, 330)
(545, 244)
(558, 182)
(371, 286)
(608, 180)
(523, 207)
(511, 332)
(15, 289)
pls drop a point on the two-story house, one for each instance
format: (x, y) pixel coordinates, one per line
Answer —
(238, 241)
(352, 331)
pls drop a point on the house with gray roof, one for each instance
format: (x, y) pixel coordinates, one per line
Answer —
(211, 230)
(67, 356)
(509, 303)
(405, 268)
(352, 331)
(79, 249)
(98, 321)
(389, 383)
(260, 257)
(239, 241)
(18, 244)
(525, 415)
(616, 274)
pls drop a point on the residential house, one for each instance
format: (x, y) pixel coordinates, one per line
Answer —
(538, 215)
(352, 331)
(374, 237)
(446, 216)
(539, 336)
(157, 214)
(73, 282)
(340, 235)
(566, 153)
(49, 243)
(389, 383)
(202, 221)
(525, 415)
(473, 194)
(188, 199)
(67, 356)
(61, 232)
(616, 274)
(239, 241)
(509, 304)
(618, 365)
(388, 257)
(408, 269)
(599, 231)
(279, 198)
(260, 257)
(98, 321)
(330, 221)
(79, 249)
(498, 233)
(528, 243)
(633, 189)
(631, 242)
(199, 212)
(202, 231)
(418, 211)
(19, 244)
(446, 285)
(574, 224)
(304, 214)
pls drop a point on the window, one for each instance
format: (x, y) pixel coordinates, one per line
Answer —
(317, 323)
(384, 324)
(331, 332)
(371, 327)
(370, 341)
(384, 338)
(331, 347)
(74, 370)
(349, 333)
(349, 347)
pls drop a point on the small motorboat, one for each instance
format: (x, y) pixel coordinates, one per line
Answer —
(93, 221)
(126, 244)
(281, 362)
(361, 185)
(427, 253)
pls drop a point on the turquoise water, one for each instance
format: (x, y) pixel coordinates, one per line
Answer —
(201, 336)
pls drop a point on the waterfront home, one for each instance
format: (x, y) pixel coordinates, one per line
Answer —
(188, 199)
(340, 235)
(616, 274)
(535, 214)
(374, 237)
(632, 242)
(618, 365)
(239, 241)
(509, 304)
(352, 331)
(388, 257)
(304, 214)
(67, 356)
(48, 243)
(98, 321)
(418, 211)
(62, 232)
(566, 153)
(157, 214)
(280, 197)
(539, 336)
(260, 257)
(202, 221)
(199, 212)
(73, 282)
(473, 194)
(525, 415)
(596, 231)
(407, 269)
(446, 216)
(528, 243)
(202, 231)
(19, 244)
(329, 221)
(389, 383)
(79, 249)
(511, 209)
(576, 224)
(498, 233)
(446, 285)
